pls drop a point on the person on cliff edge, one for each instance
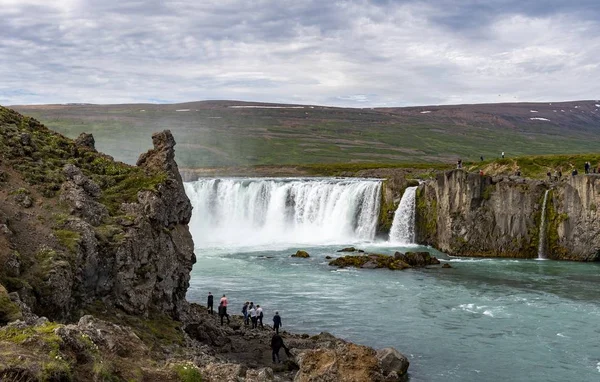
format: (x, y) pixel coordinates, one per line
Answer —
(209, 303)
(252, 314)
(259, 315)
(223, 313)
(224, 302)
(245, 313)
(276, 345)
(276, 322)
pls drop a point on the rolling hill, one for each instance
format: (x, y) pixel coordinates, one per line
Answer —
(232, 133)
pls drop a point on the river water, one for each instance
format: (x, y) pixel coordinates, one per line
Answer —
(482, 320)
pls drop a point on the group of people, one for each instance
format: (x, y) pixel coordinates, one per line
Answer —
(252, 313)
(255, 315)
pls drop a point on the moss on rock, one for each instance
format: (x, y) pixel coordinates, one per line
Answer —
(371, 261)
(9, 311)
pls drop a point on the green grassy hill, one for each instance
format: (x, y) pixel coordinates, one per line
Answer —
(230, 133)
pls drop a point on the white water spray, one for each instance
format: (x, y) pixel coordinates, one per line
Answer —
(403, 226)
(237, 212)
(542, 234)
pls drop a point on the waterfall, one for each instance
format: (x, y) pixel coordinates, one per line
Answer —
(403, 226)
(542, 233)
(259, 211)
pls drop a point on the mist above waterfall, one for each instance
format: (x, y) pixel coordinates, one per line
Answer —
(235, 212)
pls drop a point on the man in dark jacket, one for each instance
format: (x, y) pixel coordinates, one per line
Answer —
(209, 303)
(276, 322)
(276, 345)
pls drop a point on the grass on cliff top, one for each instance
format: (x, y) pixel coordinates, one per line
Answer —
(536, 167)
(40, 154)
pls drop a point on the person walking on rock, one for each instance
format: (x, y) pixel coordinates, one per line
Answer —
(260, 315)
(209, 303)
(276, 322)
(252, 313)
(586, 167)
(502, 154)
(276, 345)
(245, 312)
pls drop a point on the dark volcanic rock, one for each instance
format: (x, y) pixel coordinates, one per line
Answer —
(348, 249)
(301, 254)
(371, 261)
(86, 140)
(393, 363)
(417, 259)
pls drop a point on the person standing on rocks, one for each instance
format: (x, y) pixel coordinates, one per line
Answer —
(502, 154)
(276, 322)
(224, 302)
(223, 312)
(223, 309)
(209, 303)
(259, 315)
(245, 312)
(276, 345)
(252, 313)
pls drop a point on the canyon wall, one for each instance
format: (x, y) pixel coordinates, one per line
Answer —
(467, 214)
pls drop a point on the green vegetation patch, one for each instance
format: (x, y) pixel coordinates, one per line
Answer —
(188, 372)
(40, 155)
(68, 239)
(9, 311)
(156, 330)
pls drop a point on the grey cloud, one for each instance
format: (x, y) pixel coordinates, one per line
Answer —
(354, 53)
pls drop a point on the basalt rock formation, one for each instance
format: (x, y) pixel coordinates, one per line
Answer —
(468, 214)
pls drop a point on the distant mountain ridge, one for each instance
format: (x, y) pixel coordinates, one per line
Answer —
(230, 133)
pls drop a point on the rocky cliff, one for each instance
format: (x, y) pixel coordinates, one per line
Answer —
(467, 214)
(573, 219)
(79, 228)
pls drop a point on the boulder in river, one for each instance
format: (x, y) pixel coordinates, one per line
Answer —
(348, 249)
(371, 261)
(302, 254)
(393, 363)
(417, 259)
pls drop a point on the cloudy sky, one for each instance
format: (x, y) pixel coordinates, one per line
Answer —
(344, 53)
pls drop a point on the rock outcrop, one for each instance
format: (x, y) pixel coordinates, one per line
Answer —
(573, 229)
(375, 261)
(301, 254)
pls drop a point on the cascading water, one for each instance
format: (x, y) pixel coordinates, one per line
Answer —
(403, 226)
(258, 211)
(542, 234)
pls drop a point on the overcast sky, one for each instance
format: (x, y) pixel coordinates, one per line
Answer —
(344, 53)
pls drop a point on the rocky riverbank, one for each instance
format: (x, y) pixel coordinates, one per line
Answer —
(95, 261)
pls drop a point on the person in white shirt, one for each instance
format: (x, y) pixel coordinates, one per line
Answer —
(252, 313)
(259, 315)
